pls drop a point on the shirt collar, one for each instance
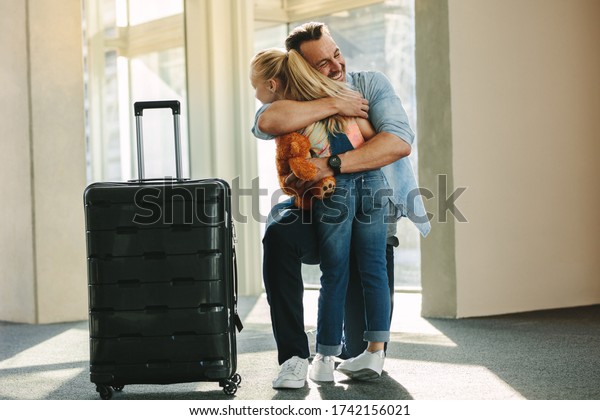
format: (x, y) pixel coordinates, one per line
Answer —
(349, 79)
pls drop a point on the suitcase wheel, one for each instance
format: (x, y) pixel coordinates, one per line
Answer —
(104, 391)
(237, 379)
(230, 388)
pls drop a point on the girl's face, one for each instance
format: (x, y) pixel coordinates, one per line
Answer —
(266, 90)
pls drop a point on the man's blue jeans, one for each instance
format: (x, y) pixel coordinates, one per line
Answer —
(353, 219)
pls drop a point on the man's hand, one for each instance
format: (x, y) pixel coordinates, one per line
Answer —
(323, 170)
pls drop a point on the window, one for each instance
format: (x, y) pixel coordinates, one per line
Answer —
(134, 51)
(378, 37)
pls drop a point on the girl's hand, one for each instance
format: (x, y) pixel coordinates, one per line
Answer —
(352, 104)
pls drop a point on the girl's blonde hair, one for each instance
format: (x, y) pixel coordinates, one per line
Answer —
(270, 64)
(299, 81)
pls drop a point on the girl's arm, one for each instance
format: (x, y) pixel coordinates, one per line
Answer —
(285, 116)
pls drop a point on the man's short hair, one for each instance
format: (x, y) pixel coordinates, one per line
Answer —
(311, 31)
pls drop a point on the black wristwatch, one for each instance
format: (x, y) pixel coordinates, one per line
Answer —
(335, 163)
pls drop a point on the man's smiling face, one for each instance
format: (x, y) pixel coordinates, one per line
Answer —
(325, 56)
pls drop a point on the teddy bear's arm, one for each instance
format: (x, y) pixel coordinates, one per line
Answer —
(302, 168)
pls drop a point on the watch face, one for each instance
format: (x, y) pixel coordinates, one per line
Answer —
(335, 161)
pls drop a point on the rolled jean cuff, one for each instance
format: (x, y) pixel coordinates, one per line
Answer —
(377, 336)
(329, 350)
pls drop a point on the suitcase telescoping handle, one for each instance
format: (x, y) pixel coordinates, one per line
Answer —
(138, 109)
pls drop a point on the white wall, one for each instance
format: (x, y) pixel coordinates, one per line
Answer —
(42, 238)
(17, 289)
(525, 105)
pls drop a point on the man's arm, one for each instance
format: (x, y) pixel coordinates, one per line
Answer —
(381, 150)
(285, 116)
(376, 153)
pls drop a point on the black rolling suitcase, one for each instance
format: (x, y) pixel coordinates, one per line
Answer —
(161, 278)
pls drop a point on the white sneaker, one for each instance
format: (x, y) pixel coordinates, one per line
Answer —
(292, 373)
(363, 367)
(322, 368)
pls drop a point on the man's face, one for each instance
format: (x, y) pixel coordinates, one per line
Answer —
(325, 56)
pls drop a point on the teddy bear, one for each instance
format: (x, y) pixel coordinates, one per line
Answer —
(292, 151)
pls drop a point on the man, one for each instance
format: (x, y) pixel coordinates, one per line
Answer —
(290, 239)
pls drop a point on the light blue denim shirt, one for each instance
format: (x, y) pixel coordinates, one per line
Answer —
(386, 114)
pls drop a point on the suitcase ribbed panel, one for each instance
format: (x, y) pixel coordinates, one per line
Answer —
(155, 350)
(153, 322)
(140, 242)
(156, 268)
(160, 373)
(158, 207)
(138, 296)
